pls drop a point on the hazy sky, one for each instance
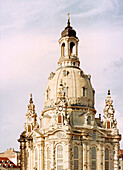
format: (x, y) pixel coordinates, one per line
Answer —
(29, 51)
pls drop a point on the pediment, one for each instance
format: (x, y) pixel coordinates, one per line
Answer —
(99, 132)
(59, 133)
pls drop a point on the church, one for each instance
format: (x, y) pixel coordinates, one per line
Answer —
(69, 136)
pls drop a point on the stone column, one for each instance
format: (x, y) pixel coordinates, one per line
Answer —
(84, 155)
(76, 49)
(23, 155)
(81, 157)
(52, 156)
(67, 49)
(70, 160)
(39, 156)
(88, 157)
(116, 155)
(103, 157)
(42, 155)
(31, 158)
(100, 157)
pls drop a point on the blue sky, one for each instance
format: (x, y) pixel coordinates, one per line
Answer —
(29, 51)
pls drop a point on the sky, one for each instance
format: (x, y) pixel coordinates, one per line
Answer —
(29, 51)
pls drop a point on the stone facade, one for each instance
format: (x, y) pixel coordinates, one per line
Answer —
(69, 136)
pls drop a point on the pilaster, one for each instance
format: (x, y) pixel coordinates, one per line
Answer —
(84, 155)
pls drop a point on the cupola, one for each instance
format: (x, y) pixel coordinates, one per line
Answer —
(68, 47)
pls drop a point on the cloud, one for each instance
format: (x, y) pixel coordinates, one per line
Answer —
(119, 63)
(29, 52)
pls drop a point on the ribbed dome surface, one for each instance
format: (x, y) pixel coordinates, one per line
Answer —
(73, 80)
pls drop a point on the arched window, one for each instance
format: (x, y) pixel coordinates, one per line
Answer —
(74, 63)
(36, 158)
(29, 128)
(72, 48)
(89, 120)
(76, 158)
(93, 158)
(106, 159)
(63, 50)
(48, 158)
(59, 157)
(84, 92)
(59, 119)
(65, 90)
(108, 125)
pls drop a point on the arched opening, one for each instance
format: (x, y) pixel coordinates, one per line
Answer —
(63, 50)
(72, 49)
(84, 91)
(29, 128)
(59, 157)
(48, 158)
(108, 125)
(93, 158)
(59, 119)
(76, 158)
(89, 120)
(65, 90)
(106, 159)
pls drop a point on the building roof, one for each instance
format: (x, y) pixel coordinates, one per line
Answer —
(120, 153)
(9, 153)
(68, 31)
(7, 163)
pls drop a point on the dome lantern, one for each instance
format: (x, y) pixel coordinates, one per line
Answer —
(68, 47)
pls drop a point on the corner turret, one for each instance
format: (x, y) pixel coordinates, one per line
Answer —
(109, 122)
(31, 116)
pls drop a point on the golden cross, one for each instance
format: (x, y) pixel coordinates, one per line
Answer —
(68, 16)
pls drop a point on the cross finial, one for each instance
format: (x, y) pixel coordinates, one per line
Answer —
(68, 16)
(68, 22)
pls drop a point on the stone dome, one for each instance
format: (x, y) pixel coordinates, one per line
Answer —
(76, 87)
(69, 80)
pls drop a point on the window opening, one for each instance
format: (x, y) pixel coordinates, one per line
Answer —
(74, 63)
(29, 128)
(84, 92)
(106, 159)
(65, 90)
(76, 158)
(108, 125)
(89, 120)
(63, 49)
(59, 119)
(59, 157)
(72, 48)
(93, 158)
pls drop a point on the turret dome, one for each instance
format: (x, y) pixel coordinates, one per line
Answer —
(68, 31)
